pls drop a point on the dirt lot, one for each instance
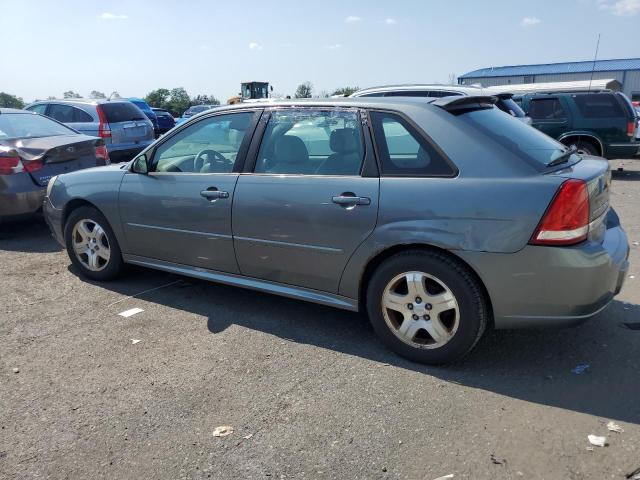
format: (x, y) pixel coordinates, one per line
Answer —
(309, 390)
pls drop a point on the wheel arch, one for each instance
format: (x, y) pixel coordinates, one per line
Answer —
(588, 137)
(72, 205)
(388, 252)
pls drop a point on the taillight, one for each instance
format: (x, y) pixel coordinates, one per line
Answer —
(102, 154)
(10, 163)
(631, 128)
(32, 165)
(104, 130)
(566, 221)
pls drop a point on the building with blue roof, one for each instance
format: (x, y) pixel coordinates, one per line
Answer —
(624, 70)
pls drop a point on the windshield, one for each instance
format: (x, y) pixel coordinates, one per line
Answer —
(24, 125)
(515, 136)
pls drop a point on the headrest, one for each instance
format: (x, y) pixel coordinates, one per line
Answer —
(344, 140)
(290, 149)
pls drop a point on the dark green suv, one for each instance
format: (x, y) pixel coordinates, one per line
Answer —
(601, 123)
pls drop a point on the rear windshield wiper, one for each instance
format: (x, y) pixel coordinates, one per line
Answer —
(564, 158)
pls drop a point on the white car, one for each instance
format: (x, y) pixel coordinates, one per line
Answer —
(505, 101)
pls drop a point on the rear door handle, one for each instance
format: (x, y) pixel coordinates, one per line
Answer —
(347, 200)
(214, 194)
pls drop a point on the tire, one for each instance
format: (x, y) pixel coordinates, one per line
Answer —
(457, 303)
(586, 148)
(105, 244)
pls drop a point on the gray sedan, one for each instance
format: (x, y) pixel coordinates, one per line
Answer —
(439, 218)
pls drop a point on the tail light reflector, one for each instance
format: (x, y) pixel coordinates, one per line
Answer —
(32, 165)
(104, 130)
(631, 128)
(10, 163)
(102, 154)
(566, 221)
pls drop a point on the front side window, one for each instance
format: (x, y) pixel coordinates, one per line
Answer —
(403, 151)
(208, 146)
(311, 142)
(546, 109)
(41, 108)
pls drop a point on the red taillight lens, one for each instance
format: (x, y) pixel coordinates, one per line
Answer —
(566, 221)
(32, 165)
(104, 130)
(102, 154)
(9, 164)
(631, 128)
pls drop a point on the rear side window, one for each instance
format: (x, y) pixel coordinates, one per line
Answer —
(598, 105)
(121, 112)
(408, 93)
(403, 151)
(546, 109)
(68, 114)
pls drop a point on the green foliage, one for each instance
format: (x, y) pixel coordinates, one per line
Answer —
(177, 100)
(97, 94)
(304, 90)
(345, 91)
(71, 94)
(10, 101)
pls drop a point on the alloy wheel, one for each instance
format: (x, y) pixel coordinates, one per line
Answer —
(420, 310)
(91, 245)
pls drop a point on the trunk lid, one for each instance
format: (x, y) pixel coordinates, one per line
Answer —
(128, 123)
(59, 154)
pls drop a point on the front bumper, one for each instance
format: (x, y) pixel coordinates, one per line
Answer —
(553, 286)
(53, 217)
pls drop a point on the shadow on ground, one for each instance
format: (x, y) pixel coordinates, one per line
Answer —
(531, 365)
(30, 236)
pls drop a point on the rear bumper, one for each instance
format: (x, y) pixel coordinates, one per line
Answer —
(621, 150)
(53, 217)
(553, 286)
(19, 196)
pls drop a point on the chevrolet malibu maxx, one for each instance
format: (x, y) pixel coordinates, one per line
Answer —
(438, 219)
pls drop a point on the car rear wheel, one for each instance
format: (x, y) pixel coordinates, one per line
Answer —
(426, 306)
(585, 148)
(92, 245)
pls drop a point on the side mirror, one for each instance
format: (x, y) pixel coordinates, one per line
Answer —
(140, 165)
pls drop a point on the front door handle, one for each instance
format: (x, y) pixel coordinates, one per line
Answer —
(350, 200)
(212, 194)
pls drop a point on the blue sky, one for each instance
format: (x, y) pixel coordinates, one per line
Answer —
(209, 47)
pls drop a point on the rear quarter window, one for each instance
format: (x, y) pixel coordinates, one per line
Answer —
(404, 152)
(598, 105)
(121, 112)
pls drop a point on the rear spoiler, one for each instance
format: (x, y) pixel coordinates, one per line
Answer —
(466, 102)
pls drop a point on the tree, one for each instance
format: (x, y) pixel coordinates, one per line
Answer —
(304, 90)
(179, 101)
(452, 79)
(205, 100)
(10, 101)
(71, 94)
(97, 94)
(158, 98)
(345, 91)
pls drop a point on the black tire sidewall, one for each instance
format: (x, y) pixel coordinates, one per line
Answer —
(115, 264)
(468, 294)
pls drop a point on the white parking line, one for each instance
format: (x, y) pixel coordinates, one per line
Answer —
(130, 312)
(143, 292)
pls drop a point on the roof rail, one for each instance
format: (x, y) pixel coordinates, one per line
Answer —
(470, 101)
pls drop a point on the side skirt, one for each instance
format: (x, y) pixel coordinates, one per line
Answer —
(289, 291)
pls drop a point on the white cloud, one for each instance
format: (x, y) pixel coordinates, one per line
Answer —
(353, 19)
(335, 46)
(620, 7)
(254, 46)
(112, 16)
(390, 21)
(530, 21)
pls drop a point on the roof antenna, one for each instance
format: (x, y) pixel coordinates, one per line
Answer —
(595, 57)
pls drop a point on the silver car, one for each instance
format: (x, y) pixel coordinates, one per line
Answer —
(124, 128)
(439, 219)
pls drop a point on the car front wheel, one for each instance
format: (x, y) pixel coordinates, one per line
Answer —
(92, 245)
(427, 306)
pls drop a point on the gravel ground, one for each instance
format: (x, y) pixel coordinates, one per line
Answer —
(308, 390)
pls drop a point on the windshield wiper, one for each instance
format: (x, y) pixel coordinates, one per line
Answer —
(564, 158)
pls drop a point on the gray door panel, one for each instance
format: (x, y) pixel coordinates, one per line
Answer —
(167, 216)
(290, 229)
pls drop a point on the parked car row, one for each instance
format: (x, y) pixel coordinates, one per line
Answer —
(390, 206)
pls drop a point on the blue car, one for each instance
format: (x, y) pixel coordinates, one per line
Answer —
(146, 109)
(165, 120)
(194, 110)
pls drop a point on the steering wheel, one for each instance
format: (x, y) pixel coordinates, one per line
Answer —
(214, 159)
